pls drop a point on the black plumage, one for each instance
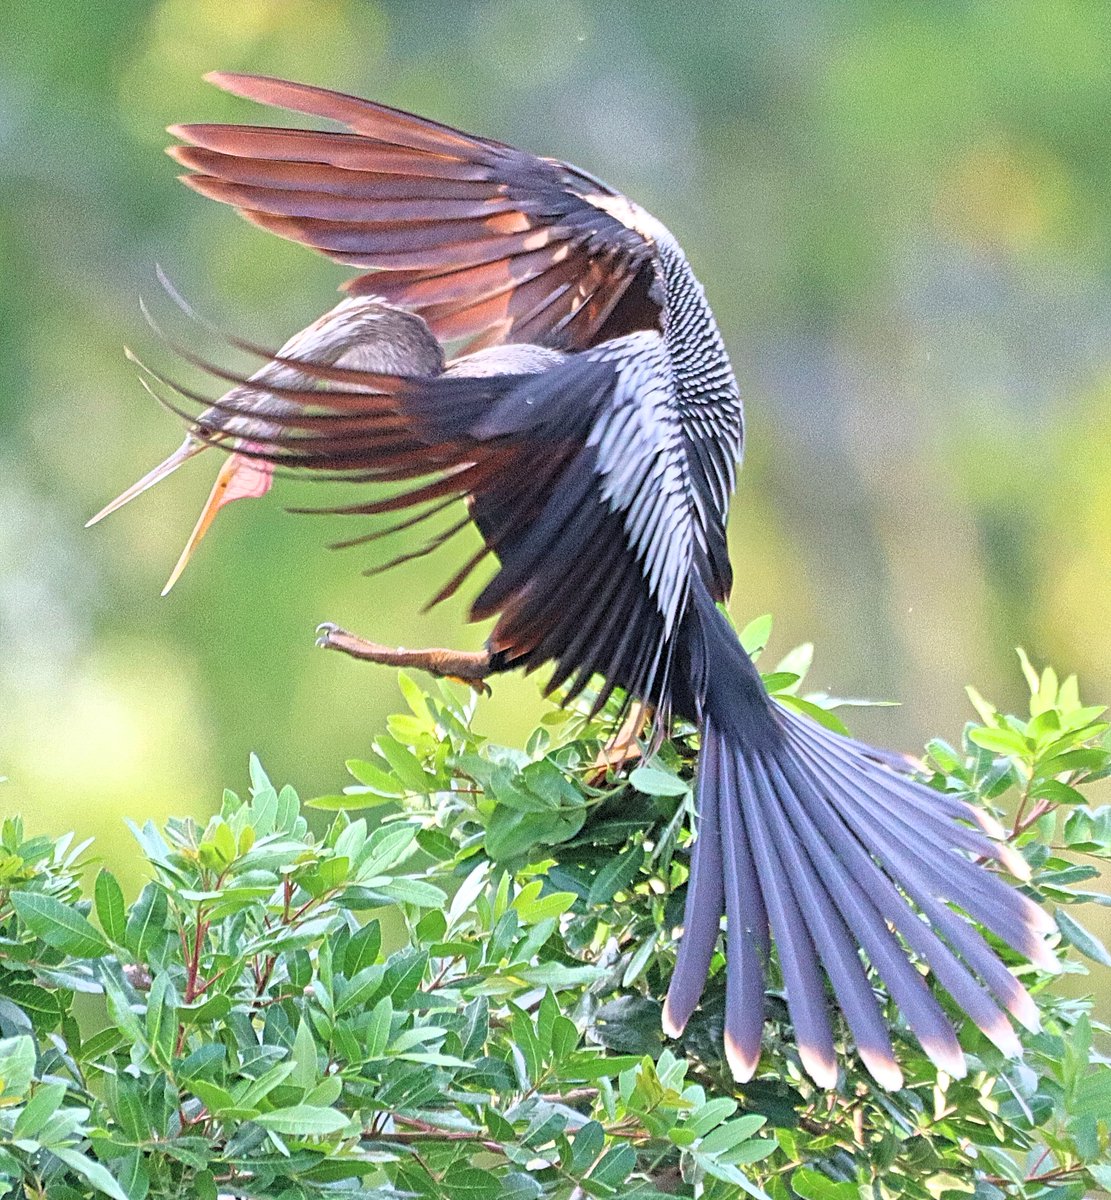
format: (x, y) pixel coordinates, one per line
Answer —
(593, 424)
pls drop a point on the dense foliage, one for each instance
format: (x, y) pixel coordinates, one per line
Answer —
(459, 996)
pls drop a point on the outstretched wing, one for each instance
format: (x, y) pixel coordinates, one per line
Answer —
(489, 244)
(578, 481)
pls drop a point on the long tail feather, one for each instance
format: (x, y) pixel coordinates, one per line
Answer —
(748, 942)
(835, 945)
(798, 959)
(704, 906)
(827, 843)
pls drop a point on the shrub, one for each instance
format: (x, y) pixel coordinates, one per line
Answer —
(460, 996)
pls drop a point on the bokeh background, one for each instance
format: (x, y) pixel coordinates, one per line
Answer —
(900, 211)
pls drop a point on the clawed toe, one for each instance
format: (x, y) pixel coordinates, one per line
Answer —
(325, 631)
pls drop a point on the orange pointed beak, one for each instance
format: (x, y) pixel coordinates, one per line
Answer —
(240, 478)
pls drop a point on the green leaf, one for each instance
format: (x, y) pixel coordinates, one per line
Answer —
(39, 1109)
(326, 1093)
(823, 716)
(58, 925)
(432, 927)
(145, 921)
(220, 1102)
(258, 1089)
(1093, 1095)
(1074, 760)
(1033, 681)
(798, 661)
(370, 776)
(748, 1152)
(406, 766)
(377, 1030)
(518, 1186)
(471, 1183)
(353, 800)
(1055, 791)
(532, 908)
(812, 1185)
(408, 1038)
(511, 833)
(351, 840)
(303, 1057)
(17, 1067)
(712, 1113)
(38, 1003)
(362, 949)
(304, 1120)
(93, 1172)
(327, 876)
(419, 892)
(616, 875)
(654, 782)
(755, 635)
(134, 1177)
(404, 971)
(161, 1019)
(204, 1186)
(586, 1146)
(111, 911)
(260, 781)
(726, 1136)
(615, 1166)
(1001, 741)
(1076, 935)
(361, 988)
(565, 1038)
(386, 847)
(1003, 1163)
(126, 1105)
(1089, 830)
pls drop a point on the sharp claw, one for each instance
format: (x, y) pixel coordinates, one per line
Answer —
(324, 632)
(479, 685)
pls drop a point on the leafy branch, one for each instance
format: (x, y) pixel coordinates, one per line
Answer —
(452, 989)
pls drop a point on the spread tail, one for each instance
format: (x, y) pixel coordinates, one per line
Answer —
(811, 840)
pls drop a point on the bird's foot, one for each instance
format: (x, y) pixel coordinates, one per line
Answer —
(465, 666)
(622, 748)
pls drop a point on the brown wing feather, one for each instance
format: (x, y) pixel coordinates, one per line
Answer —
(325, 177)
(294, 202)
(488, 243)
(378, 121)
(350, 150)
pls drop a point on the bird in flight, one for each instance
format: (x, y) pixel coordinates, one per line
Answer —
(524, 338)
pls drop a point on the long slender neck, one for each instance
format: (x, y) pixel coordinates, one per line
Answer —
(709, 404)
(703, 373)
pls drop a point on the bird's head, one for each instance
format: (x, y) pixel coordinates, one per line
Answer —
(240, 478)
(361, 334)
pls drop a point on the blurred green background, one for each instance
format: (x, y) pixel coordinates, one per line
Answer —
(900, 212)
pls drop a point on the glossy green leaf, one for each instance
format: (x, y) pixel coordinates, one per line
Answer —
(59, 925)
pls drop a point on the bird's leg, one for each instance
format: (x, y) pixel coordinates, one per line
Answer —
(468, 666)
(622, 747)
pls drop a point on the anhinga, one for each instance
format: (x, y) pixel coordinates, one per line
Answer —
(593, 424)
